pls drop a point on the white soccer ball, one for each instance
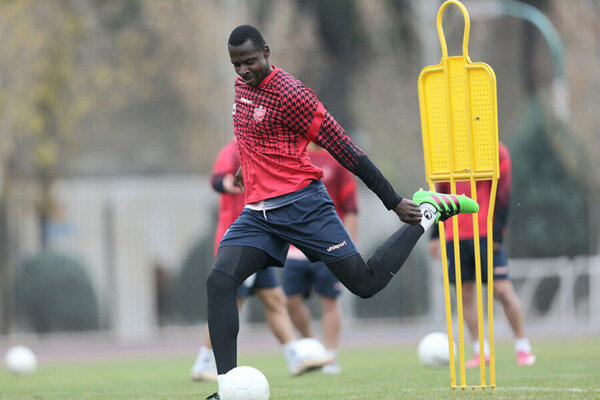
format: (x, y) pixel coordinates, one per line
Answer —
(20, 360)
(244, 383)
(433, 350)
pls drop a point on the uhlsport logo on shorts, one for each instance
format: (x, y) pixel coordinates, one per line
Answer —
(336, 246)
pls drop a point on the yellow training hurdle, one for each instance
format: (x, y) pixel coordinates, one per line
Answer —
(459, 122)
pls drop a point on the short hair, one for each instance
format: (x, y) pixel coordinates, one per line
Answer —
(244, 32)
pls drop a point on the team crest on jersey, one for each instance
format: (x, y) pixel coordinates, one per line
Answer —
(259, 114)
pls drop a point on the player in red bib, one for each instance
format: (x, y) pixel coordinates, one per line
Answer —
(274, 118)
(300, 276)
(264, 284)
(503, 288)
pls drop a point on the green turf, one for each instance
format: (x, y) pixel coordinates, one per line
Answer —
(566, 369)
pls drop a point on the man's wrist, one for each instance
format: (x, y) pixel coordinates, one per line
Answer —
(217, 183)
(374, 179)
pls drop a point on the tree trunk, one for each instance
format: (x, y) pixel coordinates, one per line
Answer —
(5, 273)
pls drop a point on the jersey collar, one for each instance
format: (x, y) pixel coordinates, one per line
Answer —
(269, 77)
(264, 81)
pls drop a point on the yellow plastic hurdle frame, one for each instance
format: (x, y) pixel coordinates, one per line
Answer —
(459, 121)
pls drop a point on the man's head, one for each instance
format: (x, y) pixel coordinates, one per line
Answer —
(249, 54)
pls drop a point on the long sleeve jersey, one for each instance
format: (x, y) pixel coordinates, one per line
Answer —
(273, 124)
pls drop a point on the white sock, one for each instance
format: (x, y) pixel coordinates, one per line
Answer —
(220, 380)
(289, 351)
(204, 352)
(429, 214)
(522, 344)
(486, 347)
(332, 353)
(205, 357)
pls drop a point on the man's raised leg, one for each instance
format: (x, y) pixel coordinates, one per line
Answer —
(367, 279)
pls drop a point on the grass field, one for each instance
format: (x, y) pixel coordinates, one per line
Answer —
(566, 369)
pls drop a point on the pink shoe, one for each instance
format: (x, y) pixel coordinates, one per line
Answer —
(474, 362)
(525, 358)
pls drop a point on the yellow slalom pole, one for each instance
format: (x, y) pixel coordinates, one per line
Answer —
(458, 104)
(479, 287)
(447, 301)
(490, 281)
(459, 304)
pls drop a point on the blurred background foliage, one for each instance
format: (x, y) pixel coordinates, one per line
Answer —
(107, 87)
(53, 292)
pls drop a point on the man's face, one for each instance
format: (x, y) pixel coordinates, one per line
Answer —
(250, 63)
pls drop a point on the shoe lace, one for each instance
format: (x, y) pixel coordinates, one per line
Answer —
(445, 214)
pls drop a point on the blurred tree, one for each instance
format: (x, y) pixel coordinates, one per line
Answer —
(549, 212)
(341, 30)
(51, 79)
(33, 82)
(574, 143)
(579, 25)
(53, 293)
(384, 97)
(189, 296)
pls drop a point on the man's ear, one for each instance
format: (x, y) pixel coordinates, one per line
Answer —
(266, 52)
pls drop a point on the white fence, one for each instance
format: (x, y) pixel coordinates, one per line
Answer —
(558, 294)
(122, 228)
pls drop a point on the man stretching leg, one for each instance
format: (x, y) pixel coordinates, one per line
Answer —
(274, 118)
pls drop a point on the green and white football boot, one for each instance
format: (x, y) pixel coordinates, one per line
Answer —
(447, 205)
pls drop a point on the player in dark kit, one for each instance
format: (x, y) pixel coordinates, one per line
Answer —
(274, 118)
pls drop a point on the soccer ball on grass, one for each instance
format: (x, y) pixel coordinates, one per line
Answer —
(244, 383)
(20, 360)
(433, 350)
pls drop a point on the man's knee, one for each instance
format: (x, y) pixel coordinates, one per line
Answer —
(363, 292)
(363, 288)
(294, 302)
(219, 283)
(468, 292)
(273, 299)
(502, 289)
(357, 276)
(330, 304)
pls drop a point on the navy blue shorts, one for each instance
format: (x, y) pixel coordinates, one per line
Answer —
(467, 261)
(263, 279)
(300, 276)
(311, 224)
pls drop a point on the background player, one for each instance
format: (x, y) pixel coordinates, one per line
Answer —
(264, 283)
(300, 275)
(503, 288)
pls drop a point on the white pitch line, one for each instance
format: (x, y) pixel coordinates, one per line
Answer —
(516, 388)
(553, 389)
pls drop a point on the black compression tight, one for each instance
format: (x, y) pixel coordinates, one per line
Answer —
(233, 265)
(367, 279)
(236, 263)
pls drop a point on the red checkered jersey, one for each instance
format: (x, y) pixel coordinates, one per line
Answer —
(465, 221)
(340, 183)
(230, 205)
(273, 124)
